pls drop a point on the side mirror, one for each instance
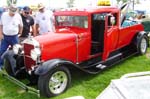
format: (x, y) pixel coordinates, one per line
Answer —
(112, 20)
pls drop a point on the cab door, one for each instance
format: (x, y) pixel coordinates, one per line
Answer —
(111, 34)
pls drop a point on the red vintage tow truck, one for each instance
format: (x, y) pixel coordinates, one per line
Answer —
(89, 39)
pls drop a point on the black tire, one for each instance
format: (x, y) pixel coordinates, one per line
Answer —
(8, 67)
(19, 75)
(20, 72)
(142, 45)
(49, 88)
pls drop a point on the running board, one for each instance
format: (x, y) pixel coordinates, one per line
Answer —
(21, 84)
(99, 66)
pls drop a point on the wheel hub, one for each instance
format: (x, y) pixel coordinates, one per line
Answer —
(58, 82)
(143, 45)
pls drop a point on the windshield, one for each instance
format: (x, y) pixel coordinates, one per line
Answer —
(75, 21)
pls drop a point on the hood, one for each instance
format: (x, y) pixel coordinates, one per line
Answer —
(61, 35)
(46, 39)
(62, 44)
(57, 45)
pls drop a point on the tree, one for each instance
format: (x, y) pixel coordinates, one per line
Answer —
(9, 2)
(122, 0)
(70, 3)
(137, 1)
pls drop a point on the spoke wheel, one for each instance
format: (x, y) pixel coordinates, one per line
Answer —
(58, 82)
(142, 45)
(55, 82)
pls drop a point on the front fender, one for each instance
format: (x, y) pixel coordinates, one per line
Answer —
(9, 54)
(16, 61)
(49, 65)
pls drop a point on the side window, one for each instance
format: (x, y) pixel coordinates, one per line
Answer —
(99, 16)
(98, 26)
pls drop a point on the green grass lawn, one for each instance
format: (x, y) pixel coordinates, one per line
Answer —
(86, 85)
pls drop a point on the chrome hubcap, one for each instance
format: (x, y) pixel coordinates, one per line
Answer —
(58, 82)
(143, 45)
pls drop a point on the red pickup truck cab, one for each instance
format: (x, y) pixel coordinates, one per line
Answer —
(90, 39)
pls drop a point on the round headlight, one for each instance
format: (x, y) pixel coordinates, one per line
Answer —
(16, 48)
(35, 53)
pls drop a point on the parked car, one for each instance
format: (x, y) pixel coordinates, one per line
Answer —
(90, 40)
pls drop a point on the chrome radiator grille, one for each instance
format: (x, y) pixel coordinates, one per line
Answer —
(27, 58)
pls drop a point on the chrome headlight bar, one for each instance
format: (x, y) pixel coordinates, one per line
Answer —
(35, 53)
(17, 49)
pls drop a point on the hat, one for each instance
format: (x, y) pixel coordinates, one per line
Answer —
(40, 6)
(12, 8)
(26, 9)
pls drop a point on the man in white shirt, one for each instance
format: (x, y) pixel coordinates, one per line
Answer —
(10, 28)
(43, 20)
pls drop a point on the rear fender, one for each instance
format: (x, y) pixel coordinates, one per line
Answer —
(140, 35)
(49, 65)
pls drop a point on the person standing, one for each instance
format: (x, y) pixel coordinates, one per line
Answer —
(28, 23)
(10, 28)
(43, 20)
